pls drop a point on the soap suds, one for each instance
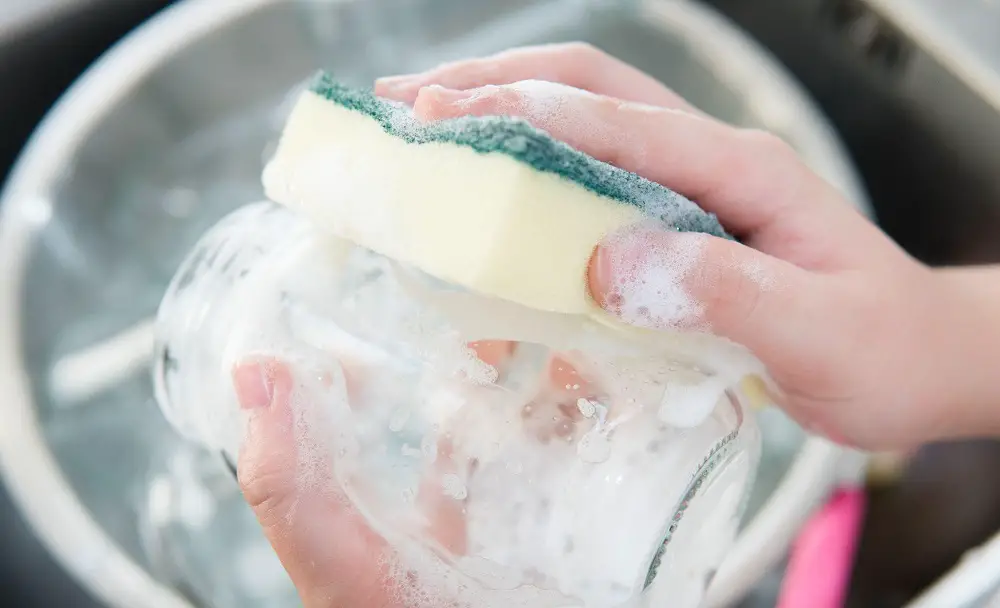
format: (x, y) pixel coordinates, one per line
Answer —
(555, 108)
(647, 270)
(594, 447)
(319, 444)
(754, 270)
(687, 406)
(550, 104)
(524, 501)
(453, 487)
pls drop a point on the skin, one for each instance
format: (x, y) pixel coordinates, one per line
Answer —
(866, 345)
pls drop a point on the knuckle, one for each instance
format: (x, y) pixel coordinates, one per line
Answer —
(731, 300)
(760, 142)
(746, 298)
(756, 159)
(265, 490)
(498, 100)
(582, 50)
(506, 95)
(577, 62)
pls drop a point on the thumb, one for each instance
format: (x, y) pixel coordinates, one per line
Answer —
(663, 279)
(332, 557)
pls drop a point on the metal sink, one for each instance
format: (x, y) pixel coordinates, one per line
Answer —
(912, 88)
(890, 75)
(44, 46)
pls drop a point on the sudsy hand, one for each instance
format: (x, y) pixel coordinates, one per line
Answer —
(867, 346)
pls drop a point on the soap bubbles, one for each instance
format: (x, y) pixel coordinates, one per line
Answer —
(570, 461)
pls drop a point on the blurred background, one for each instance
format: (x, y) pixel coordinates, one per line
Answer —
(912, 89)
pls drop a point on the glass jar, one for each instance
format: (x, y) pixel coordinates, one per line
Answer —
(585, 464)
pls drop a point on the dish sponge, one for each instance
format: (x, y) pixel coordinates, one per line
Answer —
(488, 203)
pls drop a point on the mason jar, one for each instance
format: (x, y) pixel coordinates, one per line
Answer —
(581, 462)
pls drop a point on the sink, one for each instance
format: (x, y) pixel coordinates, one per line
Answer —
(44, 46)
(912, 126)
(924, 138)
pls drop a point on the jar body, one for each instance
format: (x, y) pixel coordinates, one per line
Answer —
(574, 464)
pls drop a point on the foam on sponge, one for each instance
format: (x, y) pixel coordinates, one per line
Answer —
(489, 203)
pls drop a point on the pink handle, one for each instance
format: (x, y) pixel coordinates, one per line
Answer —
(822, 559)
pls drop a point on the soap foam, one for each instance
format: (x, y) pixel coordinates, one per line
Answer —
(756, 273)
(574, 523)
(556, 107)
(314, 430)
(647, 271)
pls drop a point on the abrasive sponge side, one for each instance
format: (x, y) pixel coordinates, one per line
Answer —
(519, 140)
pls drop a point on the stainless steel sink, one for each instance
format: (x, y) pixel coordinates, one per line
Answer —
(44, 46)
(894, 79)
(912, 88)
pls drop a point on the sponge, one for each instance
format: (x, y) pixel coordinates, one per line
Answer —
(491, 204)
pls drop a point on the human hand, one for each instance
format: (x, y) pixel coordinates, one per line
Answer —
(331, 555)
(867, 346)
(287, 472)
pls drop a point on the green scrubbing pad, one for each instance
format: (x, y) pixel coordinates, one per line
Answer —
(519, 140)
(490, 203)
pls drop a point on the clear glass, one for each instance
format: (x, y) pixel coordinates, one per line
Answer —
(540, 460)
(201, 537)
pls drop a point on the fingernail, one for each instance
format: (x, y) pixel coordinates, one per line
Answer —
(254, 384)
(602, 278)
(640, 273)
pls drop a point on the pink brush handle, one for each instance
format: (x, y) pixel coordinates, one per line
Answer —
(819, 570)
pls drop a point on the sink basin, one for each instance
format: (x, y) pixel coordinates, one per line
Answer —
(44, 46)
(170, 132)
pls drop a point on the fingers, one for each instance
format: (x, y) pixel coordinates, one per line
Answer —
(333, 558)
(576, 64)
(660, 279)
(751, 180)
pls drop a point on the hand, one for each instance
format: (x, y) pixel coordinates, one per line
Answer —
(333, 558)
(287, 475)
(868, 346)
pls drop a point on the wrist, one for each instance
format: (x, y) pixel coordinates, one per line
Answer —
(964, 341)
